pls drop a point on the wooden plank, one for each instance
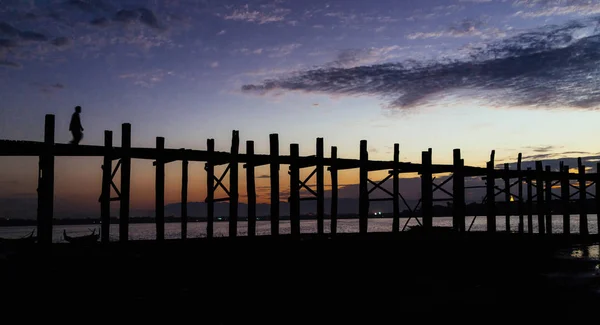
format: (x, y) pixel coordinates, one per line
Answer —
(458, 193)
(105, 196)
(294, 191)
(125, 182)
(396, 190)
(426, 190)
(583, 220)
(160, 190)
(184, 198)
(274, 176)
(507, 196)
(565, 198)
(210, 190)
(540, 196)
(529, 203)
(46, 185)
(334, 191)
(491, 197)
(251, 191)
(233, 184)
(320, 187)
(363, 199)
(548, 201)
(520, 193)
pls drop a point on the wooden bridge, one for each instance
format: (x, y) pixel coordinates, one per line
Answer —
(539, 181)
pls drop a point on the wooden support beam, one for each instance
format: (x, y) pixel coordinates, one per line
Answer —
(548, 201)
(426, 190)
(184, 198)
(233, 184)
(274, 175)
(491, 198)
(583, 220)
(45, 213)
(598, 197)
(125, 182)
(396, 190)
(520, 193)
(529, 203)
(105, 196)
(458, 193)
(363, 200)
(565, 198)
(334, 191)
(507, 196)
(210, 190)
(251, 190)
(294, 190)
(160, 190)
(320, 187)
(539, 181)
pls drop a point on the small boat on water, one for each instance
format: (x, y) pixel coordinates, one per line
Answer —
(29, 239)
(91, 238)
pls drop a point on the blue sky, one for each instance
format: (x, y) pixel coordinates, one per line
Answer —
(476, 75)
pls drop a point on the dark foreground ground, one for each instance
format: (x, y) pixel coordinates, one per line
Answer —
(374, 280)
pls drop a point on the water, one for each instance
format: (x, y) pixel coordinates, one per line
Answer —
(147, 231)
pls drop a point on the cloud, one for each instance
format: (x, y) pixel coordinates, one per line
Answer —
(33, 36)
(7, 43)
(148, 18)
(61, 41)
(147, 79)
(548, 8)
(221, 32)
(126, 16)
(551, 67)
(214, 65)
(10, 64)
(355, 57)
(82, 5)
(463, 28)
(58, 85)
(8, 30)
(256, 16)
(101, 22)
(281, 51)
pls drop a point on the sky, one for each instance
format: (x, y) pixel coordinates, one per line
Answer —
(514, 76)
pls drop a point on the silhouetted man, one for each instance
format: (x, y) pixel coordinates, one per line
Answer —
(75, 126)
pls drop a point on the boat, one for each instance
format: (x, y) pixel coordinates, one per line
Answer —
(29, 239)
(86, 239)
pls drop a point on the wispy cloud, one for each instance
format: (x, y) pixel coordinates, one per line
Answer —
(147, 79)
(284, 50)
(10, 64)
(222, 32)
(214, 64)
(464, 28)
(258, 16)
(553, 66)
(547, 8)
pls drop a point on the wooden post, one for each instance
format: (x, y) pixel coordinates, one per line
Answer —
(507, 195)
(274, 175)
(520, 189)
(160, 189)
(294, 190)
(363, 203)
(320, 188)
(46, 185)
(334, 190)
(184, 199)
(105, 197)
(233, 184)
(598, 197)
(458, 193)
(548, 201)
(125, 182)
(426, 190)
(251, 189)
(529, 202)
(491, 194)
(396, 189)
(565, 197)
(539, 172)
(583, 221)
(210, 188)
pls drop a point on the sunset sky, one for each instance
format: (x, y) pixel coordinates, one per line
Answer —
(514, 76)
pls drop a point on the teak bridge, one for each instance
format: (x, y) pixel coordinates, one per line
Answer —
(539, 180)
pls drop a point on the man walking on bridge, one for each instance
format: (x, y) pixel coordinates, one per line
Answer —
(75, 126)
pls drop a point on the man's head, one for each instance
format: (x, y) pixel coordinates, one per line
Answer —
(78, 109)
